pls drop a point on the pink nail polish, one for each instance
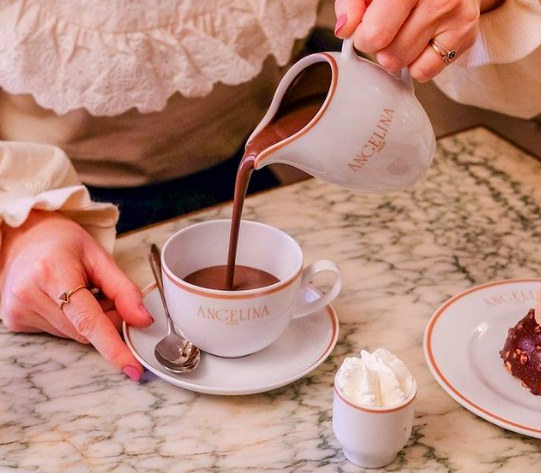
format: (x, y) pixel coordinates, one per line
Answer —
(340, 22)
(145, 312)
(132, 372)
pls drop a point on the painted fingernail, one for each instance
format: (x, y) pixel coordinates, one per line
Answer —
(132, 372)
(340, 22)
(145, 312)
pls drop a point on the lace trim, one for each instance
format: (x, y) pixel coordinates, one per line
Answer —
(68, 66)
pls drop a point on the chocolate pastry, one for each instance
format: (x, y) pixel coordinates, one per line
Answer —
(522, 352)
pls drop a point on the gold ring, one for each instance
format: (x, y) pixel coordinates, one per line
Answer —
(447, 55)
(64, 298)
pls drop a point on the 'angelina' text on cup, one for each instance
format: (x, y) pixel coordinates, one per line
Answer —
(233, 316)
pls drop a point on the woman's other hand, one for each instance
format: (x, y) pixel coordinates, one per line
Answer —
(398, 31)
(51, 254)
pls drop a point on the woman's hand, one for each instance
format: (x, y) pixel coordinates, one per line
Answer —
(399, 31)
(51, 254)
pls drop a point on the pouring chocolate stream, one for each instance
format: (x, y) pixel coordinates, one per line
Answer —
(286, 124)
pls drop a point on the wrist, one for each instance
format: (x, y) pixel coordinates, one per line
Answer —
(489, 5)
(34, 218)
(35, 230)
(37, 227)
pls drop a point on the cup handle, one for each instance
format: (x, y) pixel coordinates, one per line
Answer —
(348, 51)
(309, 272)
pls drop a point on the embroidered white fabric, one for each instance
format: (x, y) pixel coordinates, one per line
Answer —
(108, 56)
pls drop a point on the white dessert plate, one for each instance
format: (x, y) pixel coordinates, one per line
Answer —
(305, 344)
(462, 346)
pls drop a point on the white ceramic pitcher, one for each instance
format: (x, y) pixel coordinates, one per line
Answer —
(371, 134)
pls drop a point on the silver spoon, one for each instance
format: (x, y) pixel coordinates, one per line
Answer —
(173, 352)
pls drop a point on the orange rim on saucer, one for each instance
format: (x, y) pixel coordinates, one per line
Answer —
(186, 384)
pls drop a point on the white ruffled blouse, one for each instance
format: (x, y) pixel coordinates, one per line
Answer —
(109, 56)
(135, 86)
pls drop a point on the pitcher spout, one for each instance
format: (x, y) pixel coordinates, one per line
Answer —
(298, 104)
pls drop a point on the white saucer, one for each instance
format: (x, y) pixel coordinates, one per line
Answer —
(305, 344)
(462, 348)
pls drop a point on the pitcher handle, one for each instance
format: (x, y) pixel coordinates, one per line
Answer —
(348, 52)
(406, 79)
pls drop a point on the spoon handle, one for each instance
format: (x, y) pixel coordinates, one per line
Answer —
(154, 258)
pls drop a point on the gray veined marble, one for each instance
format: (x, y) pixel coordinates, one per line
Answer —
(476, 217)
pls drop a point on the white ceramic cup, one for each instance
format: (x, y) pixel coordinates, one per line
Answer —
(371, 437)
(371, 133)
(238, 323)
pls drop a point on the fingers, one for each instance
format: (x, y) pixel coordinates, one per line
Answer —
(86, 315)
(39, 324)
(408, 44)
(348, 16)
(412, 44)
(29, 322)
(51, 312)
(26, 306)
(104, 272)
(381, 23)
(109, 310)
(398, 32)
(115, 319)
(429, 63)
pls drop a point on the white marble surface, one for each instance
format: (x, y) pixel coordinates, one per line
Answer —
(475, 218)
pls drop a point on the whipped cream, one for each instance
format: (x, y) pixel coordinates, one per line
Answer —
(377, 379)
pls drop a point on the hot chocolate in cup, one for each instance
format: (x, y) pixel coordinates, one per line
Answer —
(238, 323)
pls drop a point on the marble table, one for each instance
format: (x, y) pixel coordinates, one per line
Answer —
(476, 217)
